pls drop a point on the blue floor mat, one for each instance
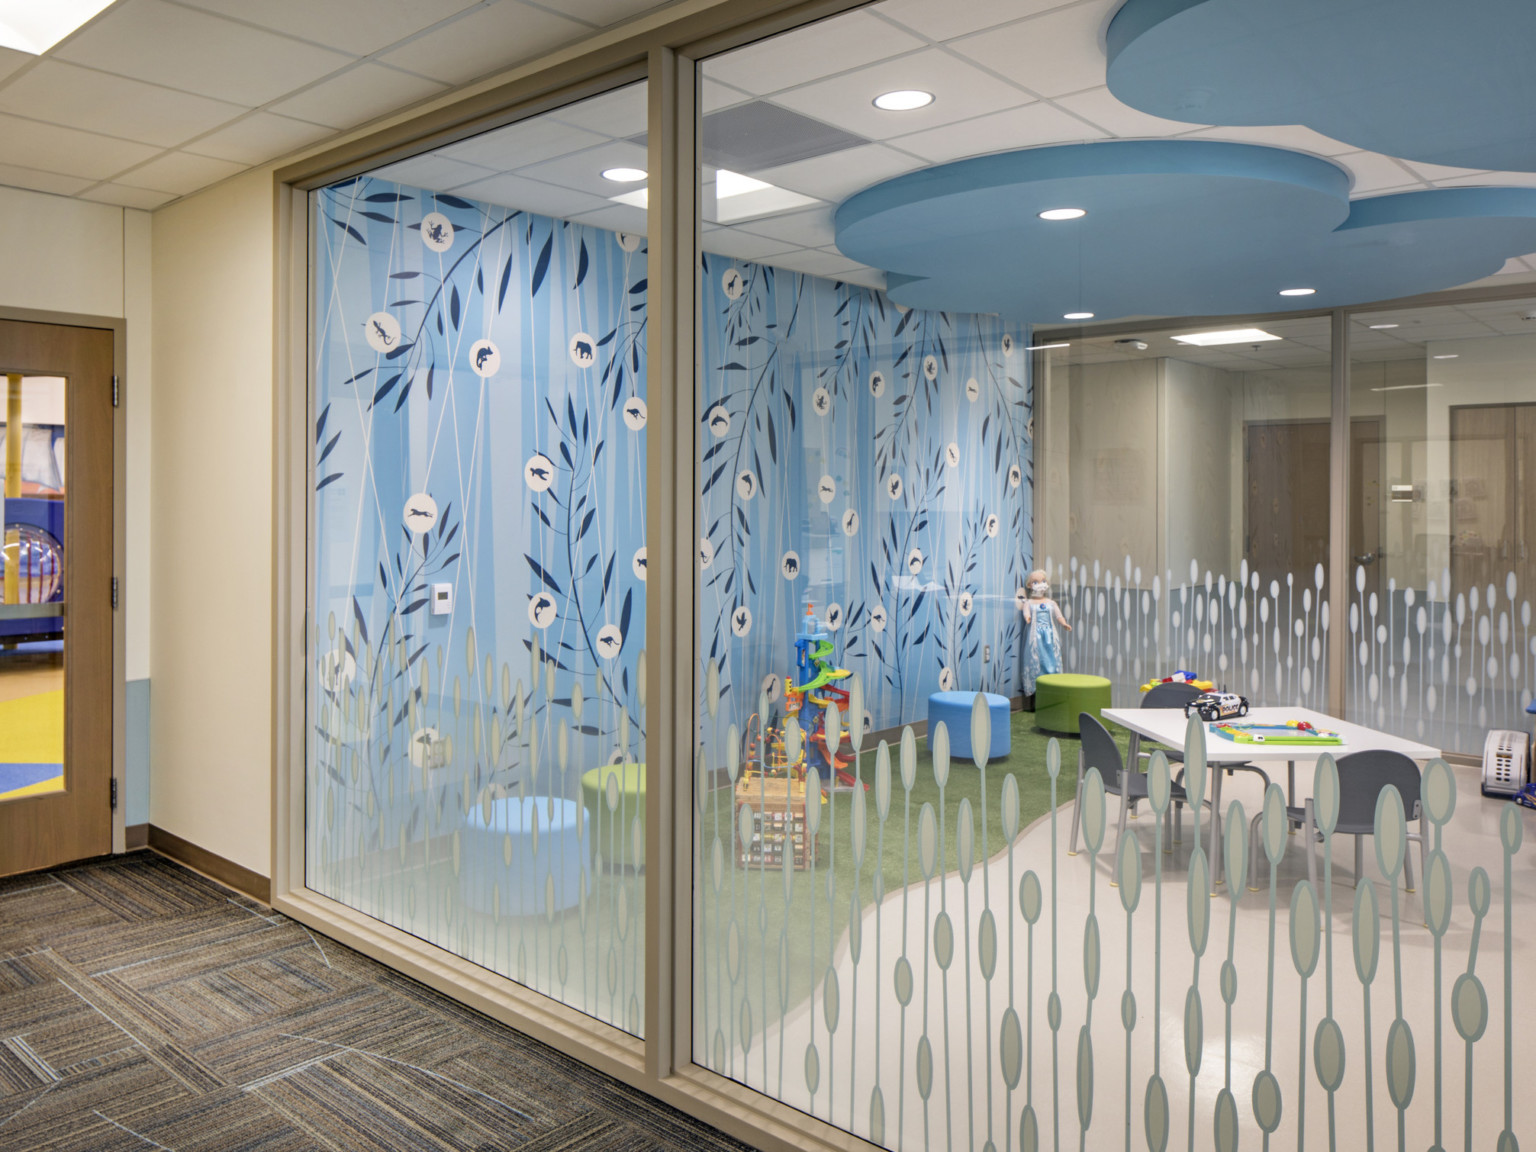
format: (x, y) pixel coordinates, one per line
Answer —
(14, 776)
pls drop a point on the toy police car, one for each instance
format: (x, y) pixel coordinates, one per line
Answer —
(1217, 706)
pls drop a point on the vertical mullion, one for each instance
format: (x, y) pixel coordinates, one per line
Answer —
(1338, 518)
(673, 571)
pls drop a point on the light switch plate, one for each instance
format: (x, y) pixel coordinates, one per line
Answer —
(442, 599)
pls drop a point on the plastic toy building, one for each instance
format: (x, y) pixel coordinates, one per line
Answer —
(817, 688)
(1217, 706)
(1291, 732)
(1180, 677)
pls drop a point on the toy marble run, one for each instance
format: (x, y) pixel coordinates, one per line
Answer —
(1180, 677)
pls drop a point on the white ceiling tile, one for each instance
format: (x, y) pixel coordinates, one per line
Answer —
(813, 260)
(714, 95)
(11, 61)
(485, 40)
(620, 113)
(583, 170)
(1373, 172)
(112, 105)
(357, 95)
(360, 27)
(1491, 180)
(939, 21)
(599, 12)
(1514, 266)
(67, 151)
(1292, 136)
(727, 241)
(432, 171)
(616, 218)
(837, 176)
(1026, 127)
(125, 197)
(961, 91)
(39, 181)
(258, 137)
(811, 229)
(1051, 55)
(196, 52)
(1099, 107)
(518, 192)
(179, 173)
(517, 145)
(862, 274)
(810, 53)
(1438, 171)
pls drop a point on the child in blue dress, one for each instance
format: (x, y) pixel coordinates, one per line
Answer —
(1042, 647)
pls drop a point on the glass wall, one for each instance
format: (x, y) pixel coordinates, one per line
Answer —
(1443, 520)
(476, 695)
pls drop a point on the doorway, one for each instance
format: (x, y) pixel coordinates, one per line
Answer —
(56, 594)
(1286, 495)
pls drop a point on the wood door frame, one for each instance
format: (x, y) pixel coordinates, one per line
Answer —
(118, 326)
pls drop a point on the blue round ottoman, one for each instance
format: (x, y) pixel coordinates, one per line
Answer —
(954, 710)
(529, 858)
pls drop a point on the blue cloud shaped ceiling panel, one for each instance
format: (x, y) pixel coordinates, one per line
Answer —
(1173, 227)
(1427, 80)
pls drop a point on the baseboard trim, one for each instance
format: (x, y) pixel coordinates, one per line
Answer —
(135, 836)
(215, 867)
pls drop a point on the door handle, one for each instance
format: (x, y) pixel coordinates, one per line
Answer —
(1367, 558)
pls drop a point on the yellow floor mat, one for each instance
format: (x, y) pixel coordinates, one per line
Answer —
(32, 729)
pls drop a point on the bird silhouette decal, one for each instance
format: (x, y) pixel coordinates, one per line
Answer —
(741, 619)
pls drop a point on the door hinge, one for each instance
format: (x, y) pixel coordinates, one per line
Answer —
(116, 395)
(114, 593)
(114, 793)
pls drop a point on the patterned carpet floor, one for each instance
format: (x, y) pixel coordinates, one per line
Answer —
(142, 1006)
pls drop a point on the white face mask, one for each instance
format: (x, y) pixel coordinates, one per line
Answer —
(1040, 589)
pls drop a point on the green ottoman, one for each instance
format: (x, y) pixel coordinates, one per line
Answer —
(614, 796)
(1060, 696)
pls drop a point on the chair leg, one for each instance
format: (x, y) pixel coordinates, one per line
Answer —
(1359, 860)
(1178, 823)
(1408, 867)
(1309, 830)
(1125, 808)
(1077, 805)
(1253, 852)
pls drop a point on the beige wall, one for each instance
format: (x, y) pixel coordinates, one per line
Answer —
(212, 497)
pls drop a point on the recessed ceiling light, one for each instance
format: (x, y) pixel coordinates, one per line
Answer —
(1042, 347)
(1447, 356)
(1227, 336)
(36, 27)
(1381, 327)
(1063, 213)
(1298, 291)
(903, 101)
(623, 175)
(1078, 316)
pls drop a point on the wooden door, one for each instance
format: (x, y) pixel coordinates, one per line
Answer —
(1285, 496)
(1493, 509)
(56, 594)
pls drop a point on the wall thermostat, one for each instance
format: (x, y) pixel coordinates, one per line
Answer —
(442, 599)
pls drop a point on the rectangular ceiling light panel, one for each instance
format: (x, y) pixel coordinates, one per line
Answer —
(1230, 336)
(37, 25)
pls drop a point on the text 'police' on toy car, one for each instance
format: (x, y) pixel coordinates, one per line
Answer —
(1217, 706)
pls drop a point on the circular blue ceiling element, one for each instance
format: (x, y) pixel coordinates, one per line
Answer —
(1428, 80)
(1173, 227)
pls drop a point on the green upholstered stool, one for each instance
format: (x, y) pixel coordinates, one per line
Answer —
(614, 796)
(1060, 696)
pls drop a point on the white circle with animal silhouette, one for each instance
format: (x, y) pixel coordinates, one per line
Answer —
(1015, 477)
(789, 565)
(850, 522)
(484, 358)
(931, 366)
(706, 552)
(635, 413)
(952, 454)
(382, 331)
(609, 641)
(771, 686)
(1007, 344)
(972, 390)
(1020, 599)
(539, 472)
(639, 562)
(719, 421)
(966, 603)
(420, 513)
(732, 284)
(915, 561)
(629, 241)
(542, 610)
(437, 232)
(821, 401)
(877, 384)
(746, 485)
(833, 617)
(826, 488)
(427, 748)
(741, 620)
(946, 679)
(893, 486)
(877, 617)
(583, 350)
(991, 524)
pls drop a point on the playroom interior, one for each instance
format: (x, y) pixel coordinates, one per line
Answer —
(977, 538)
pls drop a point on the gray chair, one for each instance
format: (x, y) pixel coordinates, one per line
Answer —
(1099, 750)
(1362, 778)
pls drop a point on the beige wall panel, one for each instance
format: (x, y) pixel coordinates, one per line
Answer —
(60, 255)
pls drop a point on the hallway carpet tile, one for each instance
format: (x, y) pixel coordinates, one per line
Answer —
(142, 1006)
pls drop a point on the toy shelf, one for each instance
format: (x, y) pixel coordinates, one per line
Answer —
(778, 823)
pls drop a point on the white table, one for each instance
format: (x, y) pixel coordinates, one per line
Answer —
(1169, 727)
